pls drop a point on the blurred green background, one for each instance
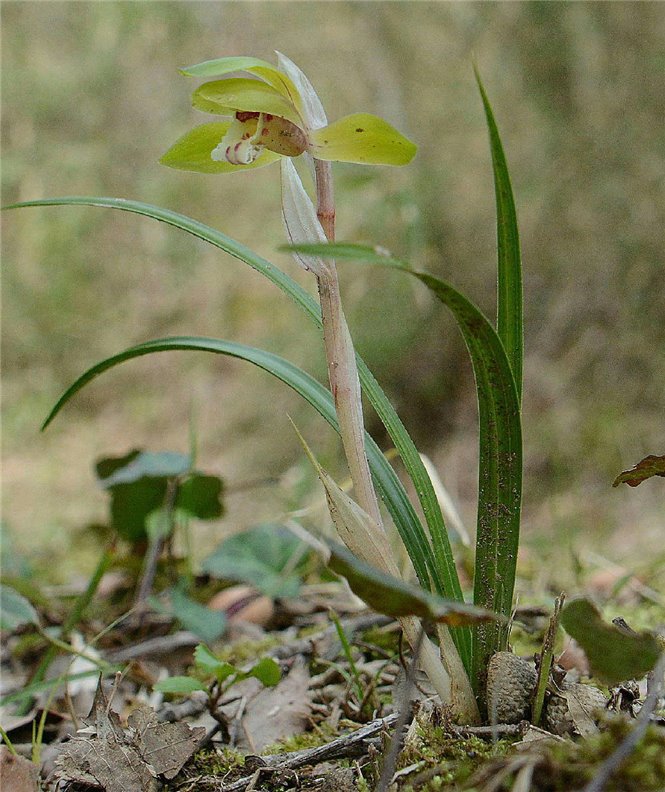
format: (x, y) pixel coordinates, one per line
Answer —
(91, 98)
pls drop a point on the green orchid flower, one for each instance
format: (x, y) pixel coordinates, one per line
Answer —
(275, 113)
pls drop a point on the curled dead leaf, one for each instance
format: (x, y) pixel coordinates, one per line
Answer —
(646, 468)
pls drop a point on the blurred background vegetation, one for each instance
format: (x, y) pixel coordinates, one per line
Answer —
(91, 98)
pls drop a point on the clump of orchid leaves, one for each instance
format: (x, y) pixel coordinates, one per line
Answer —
(273, 114)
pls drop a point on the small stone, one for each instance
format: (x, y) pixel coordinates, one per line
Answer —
(510, 684)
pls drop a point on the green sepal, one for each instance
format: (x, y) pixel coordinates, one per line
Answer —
(221, 66)
(362, 138)
(246, 95)
(192, 152)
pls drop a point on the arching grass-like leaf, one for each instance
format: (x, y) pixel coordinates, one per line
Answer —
(500, 470)
(435, 571)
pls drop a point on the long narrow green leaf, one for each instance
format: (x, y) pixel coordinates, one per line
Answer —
(441, 566)
(509, 283)
(500, 458)
(389, 485)
(500, 472)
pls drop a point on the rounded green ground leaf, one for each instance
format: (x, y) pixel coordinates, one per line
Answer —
(206, 623)
(258, 556)
(267, 671)
(179, 685)
(206, 660)
(15, 609)
(143, 464)
(614, 655)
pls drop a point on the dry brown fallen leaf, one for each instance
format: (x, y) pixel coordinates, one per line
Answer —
(16, 773)
(279, 712)
(106, 756)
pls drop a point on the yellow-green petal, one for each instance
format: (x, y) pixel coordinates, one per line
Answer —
(221, 66)
(362, 138)
(192, 152)
(243, 94)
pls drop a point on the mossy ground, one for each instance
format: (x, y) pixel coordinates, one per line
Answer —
(443, 761)
(572, 765)
(435, 760)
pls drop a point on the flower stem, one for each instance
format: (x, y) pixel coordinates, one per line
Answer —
(340, 355)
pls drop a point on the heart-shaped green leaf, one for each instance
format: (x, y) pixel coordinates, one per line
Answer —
(201, 496)
(614, 655)
(260, 556)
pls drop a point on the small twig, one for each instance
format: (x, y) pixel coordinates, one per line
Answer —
(390, 761)
(545, 660)
(606, 769)
(347, 745)
(505, 729)
(161, 645)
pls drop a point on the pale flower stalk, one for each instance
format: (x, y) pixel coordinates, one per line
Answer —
(303, 225)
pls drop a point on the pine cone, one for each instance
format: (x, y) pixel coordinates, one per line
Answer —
(510, 684)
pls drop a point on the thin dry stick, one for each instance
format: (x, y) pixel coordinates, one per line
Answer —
(352, 744)
(546, 657)
(390, 761)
